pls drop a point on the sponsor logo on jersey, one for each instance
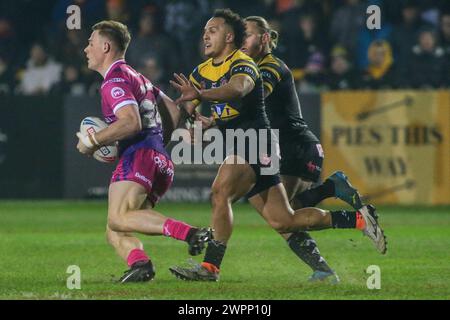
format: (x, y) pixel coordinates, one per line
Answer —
(224, 111)
(117, 92)
(244, 69)
(114, 80)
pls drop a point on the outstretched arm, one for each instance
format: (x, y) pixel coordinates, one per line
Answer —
(238, 86)
(172, 108)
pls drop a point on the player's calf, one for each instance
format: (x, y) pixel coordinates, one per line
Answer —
(305, 247)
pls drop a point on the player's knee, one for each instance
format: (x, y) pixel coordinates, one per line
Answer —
(281, 225)
(220, 194)
(116, 223)
(111, 237)
(217, 199)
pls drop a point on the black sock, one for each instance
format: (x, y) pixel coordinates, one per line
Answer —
(306, 249)
(215, 252)
(343, 219)
(191, 232)
(311, 197)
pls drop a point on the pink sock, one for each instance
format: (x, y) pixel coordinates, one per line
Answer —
(176, 229)
(136, 255)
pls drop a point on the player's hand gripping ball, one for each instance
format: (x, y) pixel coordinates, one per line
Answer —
(89, 126)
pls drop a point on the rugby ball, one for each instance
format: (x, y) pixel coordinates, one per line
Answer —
(90, 125)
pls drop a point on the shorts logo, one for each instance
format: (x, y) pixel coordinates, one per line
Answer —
(313, 167)
(108, 120)
(117, 92)
(163, 166)
(143, 178)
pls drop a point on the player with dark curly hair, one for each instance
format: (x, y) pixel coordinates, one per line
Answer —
(230, 83)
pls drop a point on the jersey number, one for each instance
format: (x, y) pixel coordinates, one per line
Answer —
(149, 114)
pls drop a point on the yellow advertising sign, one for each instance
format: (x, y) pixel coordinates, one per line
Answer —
(394, 145)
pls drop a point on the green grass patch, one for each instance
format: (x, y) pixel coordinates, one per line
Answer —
(40, 239)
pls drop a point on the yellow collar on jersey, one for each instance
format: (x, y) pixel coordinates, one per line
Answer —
(214, 72)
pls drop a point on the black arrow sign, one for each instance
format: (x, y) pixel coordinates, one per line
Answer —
(364, 115)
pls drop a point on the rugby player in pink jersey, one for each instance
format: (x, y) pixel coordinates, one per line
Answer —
(144, 171)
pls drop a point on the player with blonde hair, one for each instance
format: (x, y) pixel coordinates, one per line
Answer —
(301, 152)
(144, 172)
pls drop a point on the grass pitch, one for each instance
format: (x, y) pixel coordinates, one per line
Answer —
(39, 240)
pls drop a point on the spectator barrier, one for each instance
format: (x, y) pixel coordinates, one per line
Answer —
(395, 146)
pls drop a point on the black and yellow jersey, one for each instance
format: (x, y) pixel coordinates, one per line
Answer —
(282, 105)
(247, 112)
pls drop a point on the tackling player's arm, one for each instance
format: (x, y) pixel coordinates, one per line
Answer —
(189, 101)
(241, 83)
(243, 76)
(238, 87)
(178, 113)
(189, 111)
(127, 125)
(172, 108)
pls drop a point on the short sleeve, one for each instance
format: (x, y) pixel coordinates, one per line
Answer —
(244, 67)
(118, 94)
(271, 75)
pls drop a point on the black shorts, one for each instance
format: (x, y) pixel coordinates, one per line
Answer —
(265, 161)
(302, 159)
(263, 182)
